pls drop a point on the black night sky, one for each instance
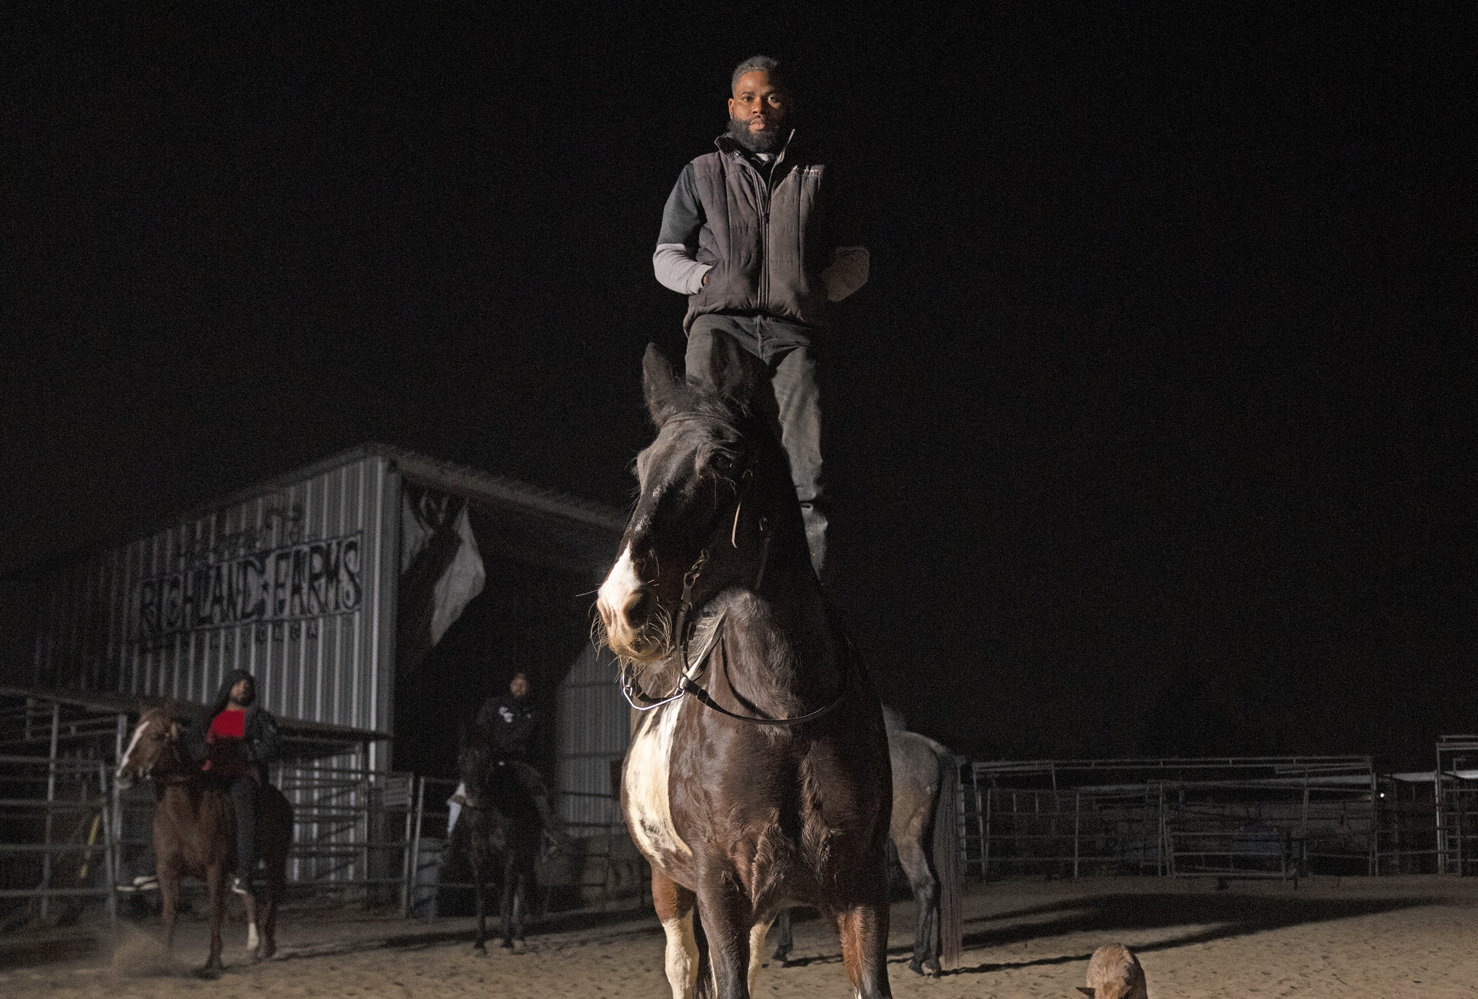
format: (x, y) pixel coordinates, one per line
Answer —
(1154, 432)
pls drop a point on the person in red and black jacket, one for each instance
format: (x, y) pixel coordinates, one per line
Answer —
(236, 739)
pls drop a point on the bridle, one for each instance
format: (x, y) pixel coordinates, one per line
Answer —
(688, 682)
(181, 776)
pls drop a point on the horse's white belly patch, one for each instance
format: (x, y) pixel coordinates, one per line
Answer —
(647, 772)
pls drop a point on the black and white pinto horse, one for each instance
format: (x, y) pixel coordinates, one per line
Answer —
(757, 777)
(925, 831)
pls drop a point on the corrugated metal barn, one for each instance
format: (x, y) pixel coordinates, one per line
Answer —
(378, 590)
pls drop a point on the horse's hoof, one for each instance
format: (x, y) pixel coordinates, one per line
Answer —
(507, 944)
(480, 948)
(265, 953)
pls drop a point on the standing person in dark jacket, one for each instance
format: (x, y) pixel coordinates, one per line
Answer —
(236, 739)
(511, 723)
(759, 239)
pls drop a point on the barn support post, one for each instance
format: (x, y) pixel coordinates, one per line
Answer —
(361, 757)
(1374, 823)
(962, 822)
(415, 858)
(1437, 812)
(412, 840)
(1163, 863)
(109, 879)
(1077, 826)
(115, 841)
(985, 836)
(56, 724)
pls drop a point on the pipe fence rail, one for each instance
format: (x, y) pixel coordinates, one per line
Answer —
(1279, 817)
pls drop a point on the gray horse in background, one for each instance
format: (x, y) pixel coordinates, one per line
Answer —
(925, 831)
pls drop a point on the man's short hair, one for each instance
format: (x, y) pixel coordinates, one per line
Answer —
(760, 64)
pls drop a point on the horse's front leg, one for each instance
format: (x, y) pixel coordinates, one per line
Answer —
(215, 882)
(169, 893)
(479, 888)
(508, 901)
(863, 930)
(728, 923)
(253, 936)
(674, 905)
(757, 934)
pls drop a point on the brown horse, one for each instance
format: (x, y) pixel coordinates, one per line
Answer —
(195, 832)
(925, 832)
(757, 777)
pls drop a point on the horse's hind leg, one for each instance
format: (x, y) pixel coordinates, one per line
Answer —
(926, 893)
(507, 903)
(267, 912)
(674, 905)
(215, 880)
(785, 941)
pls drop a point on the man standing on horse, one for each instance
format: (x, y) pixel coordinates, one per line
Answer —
(237, 738)
(758, 237)
(511, 723)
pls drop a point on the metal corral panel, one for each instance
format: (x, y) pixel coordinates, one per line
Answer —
(294, 581)
(593, 725)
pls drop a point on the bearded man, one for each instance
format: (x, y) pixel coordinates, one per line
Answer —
(758, 237)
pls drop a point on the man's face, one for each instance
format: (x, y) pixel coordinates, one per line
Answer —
(243, 693)
(519, 688)
(758, 112)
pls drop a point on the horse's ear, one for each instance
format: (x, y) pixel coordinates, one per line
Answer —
(730, 372)
(660, 385)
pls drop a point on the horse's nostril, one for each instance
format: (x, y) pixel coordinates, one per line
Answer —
(636, 605)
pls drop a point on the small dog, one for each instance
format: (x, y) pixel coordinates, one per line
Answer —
(1114, 973)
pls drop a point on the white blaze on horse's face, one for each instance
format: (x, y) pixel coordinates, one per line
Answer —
(120, 777)
(618, 596)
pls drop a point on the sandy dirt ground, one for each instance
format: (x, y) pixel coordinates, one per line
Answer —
(1377, 938)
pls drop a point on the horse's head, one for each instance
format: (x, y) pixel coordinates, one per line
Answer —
(714, 486)
(154, 749)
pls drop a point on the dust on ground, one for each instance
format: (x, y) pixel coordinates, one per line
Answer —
(1380, 938)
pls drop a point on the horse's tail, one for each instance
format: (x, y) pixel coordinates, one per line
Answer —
(947, 860)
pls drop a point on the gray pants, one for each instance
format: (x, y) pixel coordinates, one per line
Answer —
(794, 405)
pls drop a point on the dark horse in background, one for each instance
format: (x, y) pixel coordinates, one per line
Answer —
(925, 831)
(195, 831)
(757, 777)
(501, 834)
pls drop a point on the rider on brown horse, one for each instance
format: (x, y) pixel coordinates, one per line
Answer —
(236, 739)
